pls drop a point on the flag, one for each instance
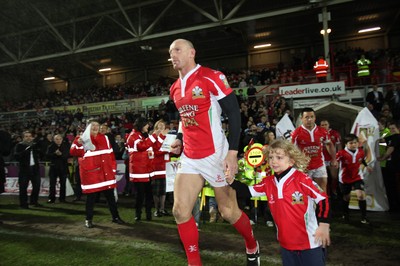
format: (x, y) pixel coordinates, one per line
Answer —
(284, 128)
(366, 128)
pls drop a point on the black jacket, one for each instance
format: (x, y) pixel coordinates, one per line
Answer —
(58, 163)
(23, 156)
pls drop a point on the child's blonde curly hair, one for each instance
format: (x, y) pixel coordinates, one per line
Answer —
(300, 159)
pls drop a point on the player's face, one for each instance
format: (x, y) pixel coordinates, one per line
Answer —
(308, 119)
(279, 160)
(180, 53)
(325, 124)
(352, 145)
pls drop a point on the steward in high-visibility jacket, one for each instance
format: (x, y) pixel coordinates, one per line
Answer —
(321, 69)
(363, 66)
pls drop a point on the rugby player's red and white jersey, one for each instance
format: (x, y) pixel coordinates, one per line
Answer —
(196, 98)
(311, 143)
(349, 165)
(335, 138)
(291, 201)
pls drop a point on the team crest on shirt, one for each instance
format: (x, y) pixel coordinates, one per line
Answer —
(224, 80)
(297, 198)
(197, 93)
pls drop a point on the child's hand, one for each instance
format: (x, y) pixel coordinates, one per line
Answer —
(369, 169)
(229, 179)
(322, 235)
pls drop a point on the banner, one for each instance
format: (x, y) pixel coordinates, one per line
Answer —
(284, 128)
(12, 187)
(366, 128)
(313, 90)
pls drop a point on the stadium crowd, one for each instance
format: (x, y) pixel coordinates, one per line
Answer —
(384, 63)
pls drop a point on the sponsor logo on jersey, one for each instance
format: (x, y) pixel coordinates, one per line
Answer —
(297, 198)
(188, 114)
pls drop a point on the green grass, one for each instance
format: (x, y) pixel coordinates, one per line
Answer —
(55, 235)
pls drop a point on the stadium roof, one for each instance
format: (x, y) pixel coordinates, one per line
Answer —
(74, 38)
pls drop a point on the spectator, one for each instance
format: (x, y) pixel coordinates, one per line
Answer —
(269, 136)
(375, 113)
(393, 100)
(251, 91)
(240, 96)
(43, 143)
(58, 154)
(162, 106)
(375, 98)
(172, 112)
(242, 83)
(386, 113)
(5, 149)
(119, 147)
(255, 134)
(27, 153)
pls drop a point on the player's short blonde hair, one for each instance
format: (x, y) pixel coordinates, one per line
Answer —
(300, 159)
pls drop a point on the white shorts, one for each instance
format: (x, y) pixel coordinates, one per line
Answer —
(318, 172)
(211, 168)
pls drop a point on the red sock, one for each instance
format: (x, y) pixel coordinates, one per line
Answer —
(243, 226)
(190, 239)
